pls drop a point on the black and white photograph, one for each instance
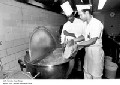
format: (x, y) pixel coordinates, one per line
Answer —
(59, 39)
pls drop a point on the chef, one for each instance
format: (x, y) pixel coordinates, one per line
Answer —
(93, 61)
(71, 29)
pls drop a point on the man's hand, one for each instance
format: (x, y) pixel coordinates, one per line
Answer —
(88, 43)
(70, 43)
(68, 34)
(79, 39)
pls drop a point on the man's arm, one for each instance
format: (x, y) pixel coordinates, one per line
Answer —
(68, 34)
(79, 39)
(89, 42)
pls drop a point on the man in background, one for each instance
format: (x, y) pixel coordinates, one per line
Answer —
(73, 28)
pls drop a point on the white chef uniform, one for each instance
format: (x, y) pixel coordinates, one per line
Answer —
(67, 11)
(94, 58)
(70, 27)
(77, 27)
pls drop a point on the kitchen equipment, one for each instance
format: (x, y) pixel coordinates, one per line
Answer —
(41, 43)
(115, 39)
(110, 70)
(44, 60)
(49, 68)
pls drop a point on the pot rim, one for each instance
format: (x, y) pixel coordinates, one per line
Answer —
(67, 60)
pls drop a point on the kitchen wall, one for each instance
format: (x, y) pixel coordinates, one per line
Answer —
(111, 24)
(112, 27)
(17, 21)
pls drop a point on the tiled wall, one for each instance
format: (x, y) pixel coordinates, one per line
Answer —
(17, 20)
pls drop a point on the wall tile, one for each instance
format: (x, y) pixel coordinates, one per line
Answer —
(27, 40)
(19, 42)
(20, 54)
(18, 32)
(11, 16)
(6, 67)
(5, 45)
(13, 64)
(27, 46)
(2, 37)
(8, 59)
(11, 51)
(17, 35)
(3, 53)
(16, 49)
(16, 68)
(9, 37)
(34, 16)
(11, 2)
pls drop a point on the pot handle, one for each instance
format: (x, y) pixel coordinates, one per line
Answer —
(22, 64)
(37, 75)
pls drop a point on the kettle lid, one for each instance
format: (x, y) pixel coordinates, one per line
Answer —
(41, 44)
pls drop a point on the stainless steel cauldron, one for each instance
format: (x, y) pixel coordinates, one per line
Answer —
(46, 44)
(41, 43)
(60, 71)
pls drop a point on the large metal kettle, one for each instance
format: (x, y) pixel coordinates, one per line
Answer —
(41, 44)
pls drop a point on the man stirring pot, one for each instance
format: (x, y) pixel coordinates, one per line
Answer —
(72, 29)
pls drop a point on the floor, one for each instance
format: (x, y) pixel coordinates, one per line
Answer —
(76, 74)
(80, 75)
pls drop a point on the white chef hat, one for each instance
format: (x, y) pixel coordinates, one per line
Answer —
(67, 8)
(80, 7)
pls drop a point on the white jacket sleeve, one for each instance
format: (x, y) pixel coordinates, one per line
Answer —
(96, 30)
(62, 35)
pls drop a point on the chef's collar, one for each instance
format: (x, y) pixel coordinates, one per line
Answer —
(90, 20)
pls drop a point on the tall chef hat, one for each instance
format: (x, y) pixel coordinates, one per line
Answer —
(67, 8)
(80, 7)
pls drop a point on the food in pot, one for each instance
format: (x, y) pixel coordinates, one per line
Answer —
(55, 58)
